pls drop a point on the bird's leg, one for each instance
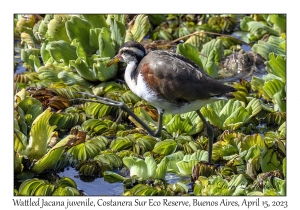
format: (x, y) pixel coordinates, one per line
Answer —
(210, 133)
(157, 133)
(121, 105)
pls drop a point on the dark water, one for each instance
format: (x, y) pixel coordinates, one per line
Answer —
(99, 187)
(17, 48)
(93, 186)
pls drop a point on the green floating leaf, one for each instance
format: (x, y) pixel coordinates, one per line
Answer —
(185, 167)
(140, 27)
(161, 170)
(121, 143)
(18, 166)
(89, 149)
(271, 46)
(57, 28)
(269, 161)
(137, 167)
(250, 141)
(25, 57)
(238, 184)
(258, 29)
(165, 147)
(173, 159)
(279, 21)
(96, 20)
(227, 114)
(151, 167)
(61, 51)
(219, 186)
(214, 52)
(32, 108)
(109, 159)
(66, 191)
(190, 52)
(144, 190)
(83, 70)
(71, 78)
(277, 66)
(40, 134)
(20, 141)
(199, 155)
(112, 177)
(51, 157)
(118, 31)
(79, 29)
(276, 90)
(28, 187)
(284, 167)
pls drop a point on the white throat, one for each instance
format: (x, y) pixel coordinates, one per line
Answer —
(128, 76)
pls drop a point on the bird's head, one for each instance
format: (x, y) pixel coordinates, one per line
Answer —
(128, 52)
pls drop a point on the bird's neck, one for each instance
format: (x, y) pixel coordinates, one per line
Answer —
(130, 75)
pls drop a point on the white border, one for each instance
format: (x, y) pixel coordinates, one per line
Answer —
(138, 7)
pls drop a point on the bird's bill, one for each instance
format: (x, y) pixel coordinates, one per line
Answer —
(115, 59)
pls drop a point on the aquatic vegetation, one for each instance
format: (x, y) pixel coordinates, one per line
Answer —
(57, 126)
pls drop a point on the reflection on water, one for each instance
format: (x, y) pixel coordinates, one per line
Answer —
(99, 187)
(93, 186)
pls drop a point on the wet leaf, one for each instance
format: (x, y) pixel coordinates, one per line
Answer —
(40, 134)
(191, 52)
(271, 46)
(61, 51)
(79, 29)
(112, 177)
(185, 167)
(28, 187)
(137, 167)
(214, 52)
(57, 28)
(140, 27)
(118, 31)
(277, 66)
(53, 155)
(96, 20)
(165, 147)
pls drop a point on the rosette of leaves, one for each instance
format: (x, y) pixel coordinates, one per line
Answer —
(137, 143)
(89, 148)
(145, 190)
(38, 187)
(101, 165)
(198, 40)
(67, 119)
(187, 144)
(210, 57)
(183, 164)
(228, 114)
(188, 123)
(216, 186)
(270, 184)
(222, 23)
(178, 188)
(272, 87)
(35, 145)
(81, 45)
(105, 127)
(255, 29)
(146, 169)
(251, 154)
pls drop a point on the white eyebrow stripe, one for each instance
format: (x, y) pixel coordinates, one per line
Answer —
(139, 52)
